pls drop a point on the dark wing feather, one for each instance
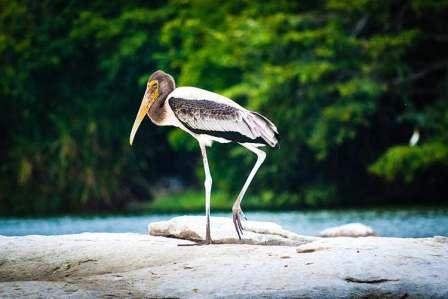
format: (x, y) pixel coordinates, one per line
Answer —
(222, 120)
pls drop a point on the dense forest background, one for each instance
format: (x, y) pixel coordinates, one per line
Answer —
(346, 82)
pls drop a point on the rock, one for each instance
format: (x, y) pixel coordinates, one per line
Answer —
(348, 230)
(441, 239)
(143, 266)
(223, 231)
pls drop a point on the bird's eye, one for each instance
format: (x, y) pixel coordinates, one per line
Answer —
(152, 85)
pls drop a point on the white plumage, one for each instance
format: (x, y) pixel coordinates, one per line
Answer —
(414, 138)
(194, 93)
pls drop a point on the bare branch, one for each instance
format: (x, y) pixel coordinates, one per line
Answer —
(422, 73)
(360, 25)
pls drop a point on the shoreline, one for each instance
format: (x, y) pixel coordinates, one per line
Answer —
(440, 207)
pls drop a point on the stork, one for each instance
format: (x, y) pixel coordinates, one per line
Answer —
(208, 117)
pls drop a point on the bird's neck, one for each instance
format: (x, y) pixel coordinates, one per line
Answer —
(157, 111)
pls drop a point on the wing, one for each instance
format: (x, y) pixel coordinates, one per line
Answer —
(221, 119)
(194, 93)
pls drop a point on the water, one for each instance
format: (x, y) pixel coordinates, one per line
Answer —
(393, 223)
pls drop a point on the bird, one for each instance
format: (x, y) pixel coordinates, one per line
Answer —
(414, 138)
(208, 117)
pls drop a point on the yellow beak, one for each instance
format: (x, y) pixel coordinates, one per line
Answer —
(144, 107)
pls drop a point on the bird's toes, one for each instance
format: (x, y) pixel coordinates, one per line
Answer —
(237, 223)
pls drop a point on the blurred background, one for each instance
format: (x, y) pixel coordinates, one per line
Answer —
(357, 89)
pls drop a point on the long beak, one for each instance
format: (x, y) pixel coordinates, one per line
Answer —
(144, 107)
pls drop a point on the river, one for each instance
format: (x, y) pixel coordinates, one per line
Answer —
(413, 222)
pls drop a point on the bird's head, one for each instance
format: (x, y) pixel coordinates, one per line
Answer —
(159, 85)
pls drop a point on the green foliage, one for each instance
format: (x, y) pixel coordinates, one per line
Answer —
(69, 74)
(403, 162)
(189, 201)
(346, 82)
(324, 74)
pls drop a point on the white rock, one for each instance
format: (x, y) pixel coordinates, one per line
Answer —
(348, 230)
(142, 266)
(223, 231)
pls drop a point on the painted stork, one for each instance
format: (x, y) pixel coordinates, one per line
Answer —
(207, 117)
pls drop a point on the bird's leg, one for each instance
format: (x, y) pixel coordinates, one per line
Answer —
(208, 187)
(236, 209)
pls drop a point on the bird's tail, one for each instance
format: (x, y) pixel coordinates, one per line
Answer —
(267, 130)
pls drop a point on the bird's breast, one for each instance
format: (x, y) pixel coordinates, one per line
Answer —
(163, 116)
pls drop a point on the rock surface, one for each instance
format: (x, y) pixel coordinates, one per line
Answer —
(223, 231)
(348, 230)
(132, 265)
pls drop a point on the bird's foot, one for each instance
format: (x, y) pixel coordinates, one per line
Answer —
(237, 214)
